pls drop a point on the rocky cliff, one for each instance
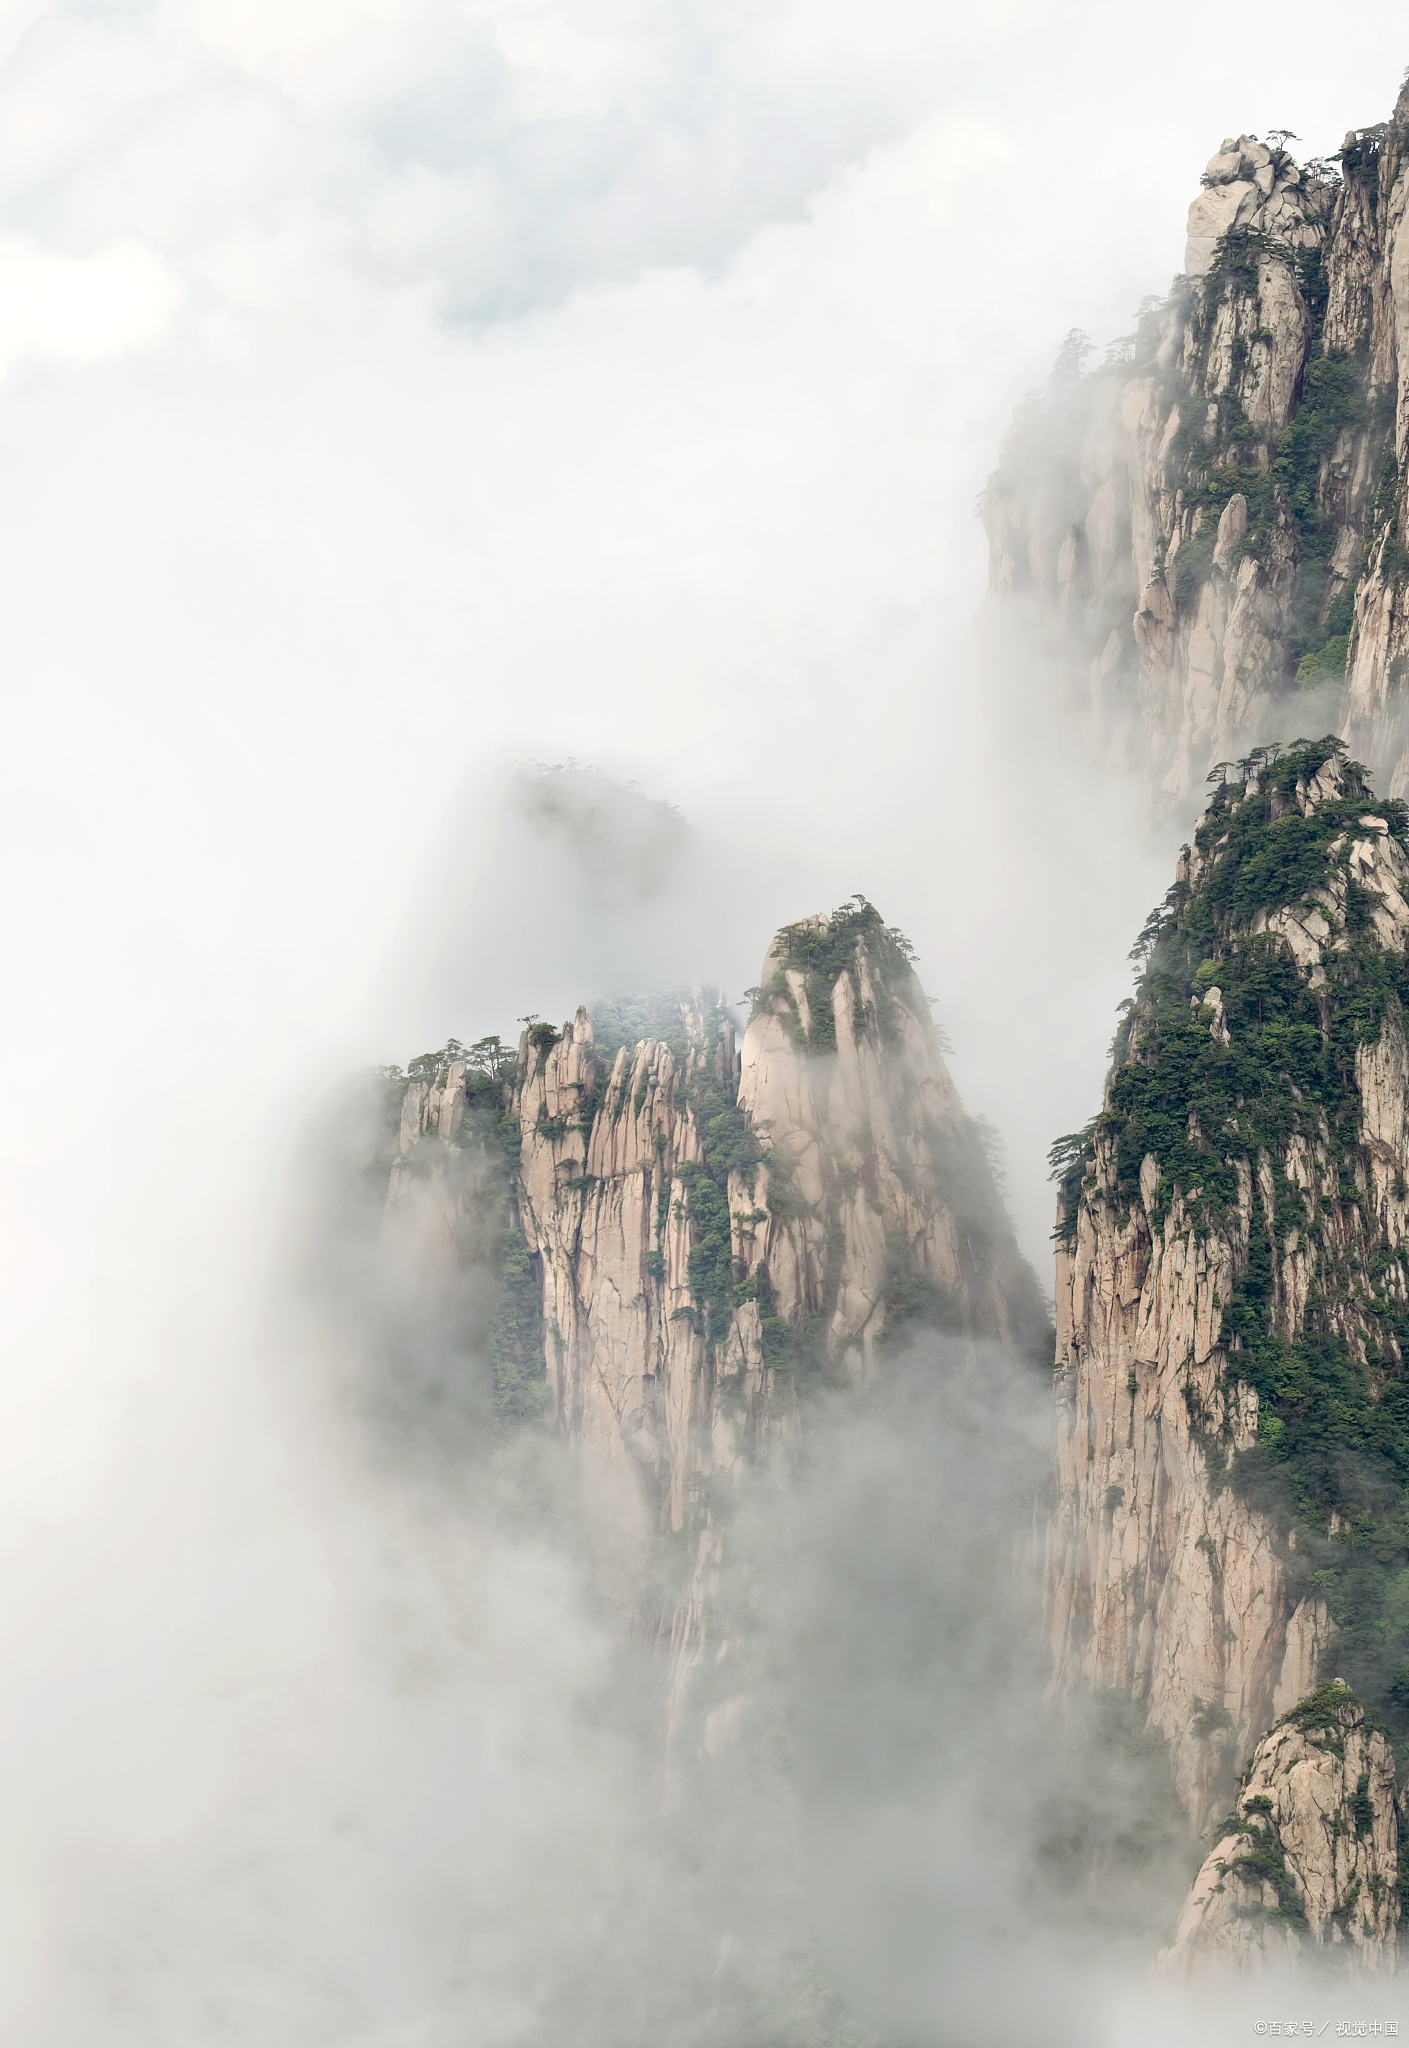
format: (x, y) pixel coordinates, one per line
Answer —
(1215, 521)
(1233, 1289)
(1308, 1859)
(692, 1235)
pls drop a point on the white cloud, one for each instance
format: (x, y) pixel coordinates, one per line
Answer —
(82, 309)
(399, 391)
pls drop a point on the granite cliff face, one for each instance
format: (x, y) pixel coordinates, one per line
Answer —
(1215, 522)
(1233, 1275)
(704, 1231)
(1308, 1860)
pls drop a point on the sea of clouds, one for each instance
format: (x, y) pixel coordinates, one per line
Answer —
(393, 395)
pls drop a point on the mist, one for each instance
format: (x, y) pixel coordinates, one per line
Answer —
(486, 521)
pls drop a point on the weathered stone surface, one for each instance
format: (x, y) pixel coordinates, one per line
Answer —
(1211, 215)
(875, 1142)
(1164, 1581)
(1177, 646)
(432, 1209)
(856, 1179)
(1161, 1581)
(1309, 1858)
(603, 1206)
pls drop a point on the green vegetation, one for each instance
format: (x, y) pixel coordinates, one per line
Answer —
(1323, 1711)
(1209, 349)
(727, 1144)
(1323, 1715)
(1283, 485)
(1236, 257)
(542, 1037)
(1360, 158)
(1070, 1159)
(627, 1019)
(821, 953)
(1209, 495)
(488, 1060)
(1325, 665)
(1208, 1717)
(1263, 1857)
(1334, 399)
(913, 1302)
(516, 1331)
(1315, 287)
(1294, 513)
(1072, 357)
(1333, 1449)
(1177, 1092)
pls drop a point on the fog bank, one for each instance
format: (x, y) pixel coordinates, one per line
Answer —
(392, 398)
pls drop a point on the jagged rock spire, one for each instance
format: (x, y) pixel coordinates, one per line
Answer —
(713, 1233)
(1215, 521)
(1233, 1270)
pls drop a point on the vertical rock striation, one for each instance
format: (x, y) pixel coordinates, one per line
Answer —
(713, 1229)
(874, 1196)
(1216, 520)
(1233, 1298)
(612, 1158)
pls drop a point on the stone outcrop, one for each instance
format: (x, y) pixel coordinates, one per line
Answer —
(1233, 1254)
(1216, 520)
(1307, 1863)
(874, 1175)
(1249, 186)
(711, 1229)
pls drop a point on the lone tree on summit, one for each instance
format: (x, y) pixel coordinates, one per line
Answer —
(1071, 356)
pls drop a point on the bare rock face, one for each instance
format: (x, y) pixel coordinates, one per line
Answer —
(607, 1159)
(709, 1229)
(1247, 185)
(1308, 1860)
(1216, 521)
(1233, 1252)
(874, 1182)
